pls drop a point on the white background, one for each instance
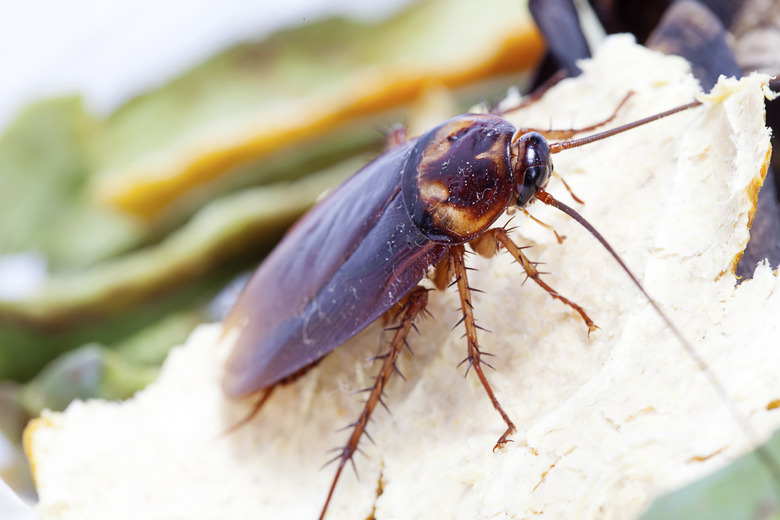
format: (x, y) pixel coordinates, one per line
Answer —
(112, 50)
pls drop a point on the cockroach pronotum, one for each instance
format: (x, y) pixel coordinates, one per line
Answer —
(362, 252)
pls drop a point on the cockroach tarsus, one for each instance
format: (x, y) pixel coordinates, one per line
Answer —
(362, 251)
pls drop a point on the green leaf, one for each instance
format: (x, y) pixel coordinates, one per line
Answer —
(742, 490)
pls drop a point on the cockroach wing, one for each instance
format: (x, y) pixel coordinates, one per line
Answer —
(338, 269)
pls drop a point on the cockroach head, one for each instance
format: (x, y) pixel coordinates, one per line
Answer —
(532, 162)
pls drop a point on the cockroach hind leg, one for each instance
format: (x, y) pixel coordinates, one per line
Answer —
(263, 395)
(533, 273)
(262, 398)
(474, 354)
(394, 314)
(415, 304)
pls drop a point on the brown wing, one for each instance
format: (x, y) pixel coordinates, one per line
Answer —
(338, 269)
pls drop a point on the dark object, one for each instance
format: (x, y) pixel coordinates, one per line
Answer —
(559, 23)
(641, 17)
(692, 29)
(689, 29)
(362, 251)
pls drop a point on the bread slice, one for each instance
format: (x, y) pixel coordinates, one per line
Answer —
(606, 422)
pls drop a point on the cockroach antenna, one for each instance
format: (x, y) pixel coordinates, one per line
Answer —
(761, 451)
(575, 143)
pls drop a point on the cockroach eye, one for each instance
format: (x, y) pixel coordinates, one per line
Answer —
(533, 168)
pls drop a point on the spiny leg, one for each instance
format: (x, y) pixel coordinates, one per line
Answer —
(416, 301)
(264, 395)
(474, 354)
(502, 237)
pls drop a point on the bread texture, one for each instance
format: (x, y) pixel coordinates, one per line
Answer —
(606, 421)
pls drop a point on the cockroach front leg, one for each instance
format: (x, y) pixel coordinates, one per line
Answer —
(474, 354)
(415, 304)
(496, 237)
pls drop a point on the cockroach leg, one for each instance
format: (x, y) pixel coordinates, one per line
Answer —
(396, 135)
(485, 245)
(571, 132)
(263, 397)
(502, 237)
(415, 305)
(265, 394)
(442, 274)
(568, 188)
(559, 238)
(474, 354)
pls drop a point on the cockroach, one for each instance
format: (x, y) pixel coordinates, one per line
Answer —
(362, 252)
